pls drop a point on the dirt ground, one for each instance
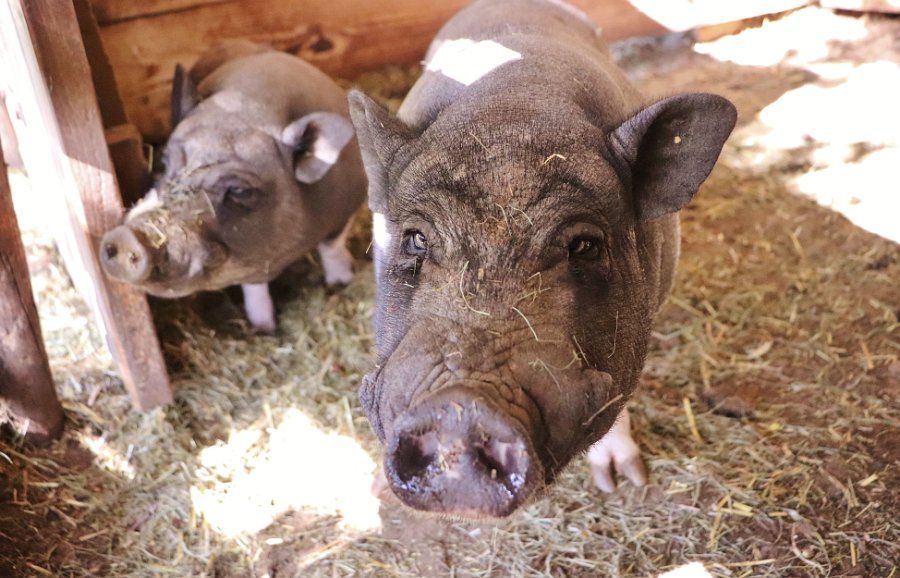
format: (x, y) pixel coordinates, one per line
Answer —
(769, 412)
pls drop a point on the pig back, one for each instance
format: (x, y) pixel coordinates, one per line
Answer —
(282, 88)
(285, 86)
(493, 46)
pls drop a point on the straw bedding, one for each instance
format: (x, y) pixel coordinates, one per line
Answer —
(768, 412)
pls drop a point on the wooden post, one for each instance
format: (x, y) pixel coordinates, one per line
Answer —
(27, 396)
(64, 150)
(124, 141)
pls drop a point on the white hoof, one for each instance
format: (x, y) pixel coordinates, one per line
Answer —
(337, 260)
(616, 453)
(259, 307)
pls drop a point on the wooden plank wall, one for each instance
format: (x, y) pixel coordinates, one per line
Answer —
(145, 39)
(65, 152)
(27, 394)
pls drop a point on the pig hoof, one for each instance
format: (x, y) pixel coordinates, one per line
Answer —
(615, 453)
(259, 307)
(338, 264)
(341, 276)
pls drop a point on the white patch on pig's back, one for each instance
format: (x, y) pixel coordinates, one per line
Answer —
(465, 60)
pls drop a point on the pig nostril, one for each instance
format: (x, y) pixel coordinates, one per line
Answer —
(415, 454)
(504, 461)
(462, 459)
(492, 466)
(110, 251)
(133, 259)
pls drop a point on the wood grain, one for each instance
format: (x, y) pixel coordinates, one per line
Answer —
(145, 40)
(64, 150)
(127, 154)
(27, 394)
(112, 11)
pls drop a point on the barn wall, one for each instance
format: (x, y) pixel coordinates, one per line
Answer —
(145, 39)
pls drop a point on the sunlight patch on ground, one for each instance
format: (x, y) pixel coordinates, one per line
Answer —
(108, 457)
(692, 570)
(837, 137)
(833, 117)
(802, 37)
(257, 476)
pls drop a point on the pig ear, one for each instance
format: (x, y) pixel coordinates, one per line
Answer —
(380, 136)
(671, 147)
(184, 95)
(317, 140)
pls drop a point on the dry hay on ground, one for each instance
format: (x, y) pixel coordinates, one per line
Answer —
(768, 413)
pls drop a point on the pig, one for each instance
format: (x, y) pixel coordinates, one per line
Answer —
(261, 167)
(525, 225)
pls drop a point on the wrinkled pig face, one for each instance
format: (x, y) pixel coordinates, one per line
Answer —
(512, 312)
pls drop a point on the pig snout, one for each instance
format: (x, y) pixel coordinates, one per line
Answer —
(457, 454)
(124, 257)
(168, 261)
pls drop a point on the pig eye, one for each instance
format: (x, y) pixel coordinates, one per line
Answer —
(415, 243)
(584, 248)
(242, 196)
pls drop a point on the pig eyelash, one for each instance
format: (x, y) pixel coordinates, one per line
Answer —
(415, 244)
(414, 249)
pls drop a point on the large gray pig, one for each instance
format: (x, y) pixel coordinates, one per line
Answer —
(525, 206)
(260, 169)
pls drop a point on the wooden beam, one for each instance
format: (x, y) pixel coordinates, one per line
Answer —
(9, 144)
(146, 39)
(123, 139)
(64, 149)
(27, 395)
(127, 153)
(343, 37)
(111, 109)
(111, 11)
(690, 14)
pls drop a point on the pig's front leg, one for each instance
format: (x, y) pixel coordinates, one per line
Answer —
(259, 307)
(616, 452)
(336, 259)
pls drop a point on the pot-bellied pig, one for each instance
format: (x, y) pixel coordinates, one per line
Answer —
(260, 169)
(525, 206)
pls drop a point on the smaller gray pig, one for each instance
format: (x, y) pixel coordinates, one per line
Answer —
(259, 170)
